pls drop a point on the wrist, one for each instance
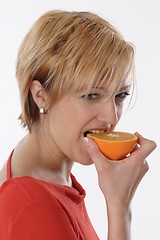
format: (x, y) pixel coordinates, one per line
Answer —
(119, 222)
(119, 208)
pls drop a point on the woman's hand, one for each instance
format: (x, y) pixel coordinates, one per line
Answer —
(118, 180)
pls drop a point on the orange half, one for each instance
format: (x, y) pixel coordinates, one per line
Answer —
(115, 145)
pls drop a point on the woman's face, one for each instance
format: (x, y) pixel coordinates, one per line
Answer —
(71, 117)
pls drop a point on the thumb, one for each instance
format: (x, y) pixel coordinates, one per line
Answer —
(94, 151)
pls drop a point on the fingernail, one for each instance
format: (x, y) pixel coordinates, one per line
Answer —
(85, 140)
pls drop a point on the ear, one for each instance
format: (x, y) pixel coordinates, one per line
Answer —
(39, 94)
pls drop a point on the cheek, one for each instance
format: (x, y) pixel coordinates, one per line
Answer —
(119, 111)
(67, 132)
(65, 127)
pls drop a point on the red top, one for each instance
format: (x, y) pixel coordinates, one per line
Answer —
(32, 209)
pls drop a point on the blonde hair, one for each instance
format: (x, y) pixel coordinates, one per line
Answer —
(67, 52)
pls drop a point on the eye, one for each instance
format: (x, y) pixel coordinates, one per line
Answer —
(91, 96)
(120, 97)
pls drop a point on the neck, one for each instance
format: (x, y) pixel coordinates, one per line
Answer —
(37, 158)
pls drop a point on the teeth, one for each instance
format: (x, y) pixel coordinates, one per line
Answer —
(93, 131)
(97, 131)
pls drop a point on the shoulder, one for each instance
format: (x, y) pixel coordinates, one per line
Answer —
(17, 193)
(26, 207)
(24, 189)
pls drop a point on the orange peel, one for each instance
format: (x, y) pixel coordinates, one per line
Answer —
(115, 145)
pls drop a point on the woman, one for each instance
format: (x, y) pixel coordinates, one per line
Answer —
(74, 72)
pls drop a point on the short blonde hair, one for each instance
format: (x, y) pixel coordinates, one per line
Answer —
(67, 52)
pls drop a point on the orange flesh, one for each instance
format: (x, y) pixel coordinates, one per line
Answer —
(113, 136)
(115, 145)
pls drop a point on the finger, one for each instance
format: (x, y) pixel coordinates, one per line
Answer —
(142, 140)
(146, 147)
(144, 170)
(135, 148)
(94, 151)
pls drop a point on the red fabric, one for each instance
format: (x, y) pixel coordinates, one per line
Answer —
(31, 209)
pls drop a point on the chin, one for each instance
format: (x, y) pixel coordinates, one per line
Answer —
(82, 157)
(86, 161)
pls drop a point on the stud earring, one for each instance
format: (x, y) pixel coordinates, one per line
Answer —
(42, 110)
(109, 126)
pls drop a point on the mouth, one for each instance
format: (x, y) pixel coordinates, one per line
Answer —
(94, 131)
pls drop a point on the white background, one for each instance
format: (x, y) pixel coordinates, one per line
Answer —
(139, 23)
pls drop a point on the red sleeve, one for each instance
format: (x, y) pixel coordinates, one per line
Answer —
(43, 221)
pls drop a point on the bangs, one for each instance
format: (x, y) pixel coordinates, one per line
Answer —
(101, 57)
(112, 68)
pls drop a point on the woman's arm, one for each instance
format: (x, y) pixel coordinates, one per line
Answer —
(118, 180)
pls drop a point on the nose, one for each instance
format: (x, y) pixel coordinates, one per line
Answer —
(109, 112)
